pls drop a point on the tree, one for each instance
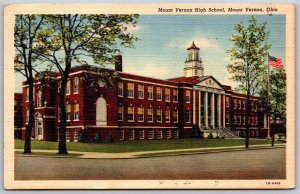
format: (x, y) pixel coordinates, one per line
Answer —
(248, 56)
(273, 97)
(26, 29)
(72, 39)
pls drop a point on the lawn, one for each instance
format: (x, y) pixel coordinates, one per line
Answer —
(135, 146)
(72, 155)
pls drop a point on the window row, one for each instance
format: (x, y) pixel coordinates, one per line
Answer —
(150, 113)
(132, 133)
(69, 111)
(150, 92)
(238, 119)
(241, 104)
(74, 82)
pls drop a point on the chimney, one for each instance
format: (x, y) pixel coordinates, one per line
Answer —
(118, 61)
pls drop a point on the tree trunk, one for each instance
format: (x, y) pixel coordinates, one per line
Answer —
(62, 146)
(247, 119)
(29, 127)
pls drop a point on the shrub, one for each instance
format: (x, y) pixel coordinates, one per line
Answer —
(82, 137)
(210, 136)
(97, 138)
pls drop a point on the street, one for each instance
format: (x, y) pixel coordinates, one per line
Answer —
(250, 164)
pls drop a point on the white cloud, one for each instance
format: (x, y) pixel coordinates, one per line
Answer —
(131, 28)
(151, 70)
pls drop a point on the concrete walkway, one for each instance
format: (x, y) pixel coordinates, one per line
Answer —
(139, 154)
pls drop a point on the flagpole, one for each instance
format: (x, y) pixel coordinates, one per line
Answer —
(268, 112)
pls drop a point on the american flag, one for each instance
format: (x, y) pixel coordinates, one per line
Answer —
(275, 62)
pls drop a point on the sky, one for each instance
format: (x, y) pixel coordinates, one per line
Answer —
(160, 51)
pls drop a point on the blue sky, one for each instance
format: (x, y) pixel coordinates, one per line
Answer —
(161, 50)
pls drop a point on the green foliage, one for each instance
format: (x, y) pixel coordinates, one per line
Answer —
(83, 137)
(210, 136)
(275, 91)
(97, 138)
(249, 47)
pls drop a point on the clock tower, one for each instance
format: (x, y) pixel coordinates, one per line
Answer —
(193, 63)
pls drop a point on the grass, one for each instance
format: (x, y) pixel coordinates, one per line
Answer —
(73, 155)
(145, 145)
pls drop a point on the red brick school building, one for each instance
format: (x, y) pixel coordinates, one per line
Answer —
(141, 108)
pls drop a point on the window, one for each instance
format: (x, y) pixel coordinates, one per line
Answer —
(227, 101)
(76, 111)
(234, 119)
(120, 89)
(76, 85)
(175, 116)
(58, 86)
(227, 119)
(150, 134)
(243, 104)
(68, 112)
(150, 92)
(140, 91)
(159, 134)
(130, 114)
(176, 134)
(120, 113)
(158, 115)
(27, 94)
(234, 103)
(175, 95)
(140, 114)
(188, 116)
(244, 120)
(68, 87)
(167, 94)
(167, 115)
(188, 96)
(150, 114)
(158, 93)
(27, 116)
(141, 133)
(239, 119)
(130, 89)
(131, 134)
(67, 135)
(39, 99)
(168, 134)
(121, 134)
(239, 104)
(75, 135)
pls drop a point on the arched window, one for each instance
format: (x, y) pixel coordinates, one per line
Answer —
(39, 99)
(76, 85)
(101, 111)
(76, 111)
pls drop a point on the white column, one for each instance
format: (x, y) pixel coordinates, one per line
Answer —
(224, 111)
(219, 109)
(194, 107)
(205, 108)
(212, 106)
(199, 120)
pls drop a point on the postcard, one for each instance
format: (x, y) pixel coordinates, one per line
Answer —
(149, 96)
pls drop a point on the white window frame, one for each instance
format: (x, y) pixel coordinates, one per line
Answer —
(176, 134)
(152, 134)
(68, 120)
(122, 113)
(168, 134)
(67, 135)
(75, 86)
(121, 90)
(121, 135)
(187, 98)
(76, 136)
(141, 114)
(142, 134)
(129, 96)
(175, 100)
(131, 134)
(149, 115)
(148, 93)
(159, 99)
(132, 114)
(159, 134)
(175, 111)
(160, 115)
(69, 87)
(169, 96)
(76, 119)
(141, 92)
(168, 121)
(188, 119)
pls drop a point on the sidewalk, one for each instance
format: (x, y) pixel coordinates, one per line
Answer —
(140, 154)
